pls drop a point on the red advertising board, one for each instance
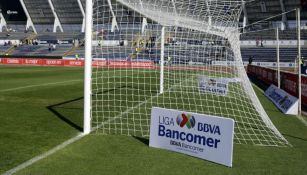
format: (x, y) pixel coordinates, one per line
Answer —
(288, 82)
(77, 63)
(124, 64)
(49, 62)
(304, 90)
(32, 61)
(142, 64)
(99, 63)
(12, 61)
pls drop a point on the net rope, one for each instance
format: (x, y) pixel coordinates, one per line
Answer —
(198, 40)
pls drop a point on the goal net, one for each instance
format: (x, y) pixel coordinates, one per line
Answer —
(173, 54)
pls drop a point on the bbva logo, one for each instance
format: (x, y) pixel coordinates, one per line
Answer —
(186, 120)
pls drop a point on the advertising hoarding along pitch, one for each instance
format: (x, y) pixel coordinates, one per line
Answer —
(285, 102)
(217, 86)
(203, 136)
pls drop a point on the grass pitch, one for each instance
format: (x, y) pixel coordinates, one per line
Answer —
(42, 106)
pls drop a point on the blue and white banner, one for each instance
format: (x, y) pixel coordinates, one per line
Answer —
(287, 103)
(272, 64)
(217, 86)
(203, 136)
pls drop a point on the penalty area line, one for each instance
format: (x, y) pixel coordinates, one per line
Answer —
(44, 155)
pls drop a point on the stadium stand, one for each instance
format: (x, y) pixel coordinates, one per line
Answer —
(41, 50)
(78, 51)
(41, 14)
(259, 10)
(3, 49)
(59, 36)
(13, 35)
(70, 16)
(271, 35)
(268, 54)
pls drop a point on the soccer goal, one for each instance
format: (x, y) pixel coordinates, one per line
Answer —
(174, 54)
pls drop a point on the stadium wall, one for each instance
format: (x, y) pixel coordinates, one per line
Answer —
(288, 80)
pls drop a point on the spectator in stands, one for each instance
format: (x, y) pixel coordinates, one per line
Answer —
(227, 10)
(77, 56)
(169, 60)
(257, 42)
(250, 60)
(49, 47)
(303, 66)
(304, 4)
(53, 47)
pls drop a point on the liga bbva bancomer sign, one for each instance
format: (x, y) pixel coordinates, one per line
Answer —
(202, 136)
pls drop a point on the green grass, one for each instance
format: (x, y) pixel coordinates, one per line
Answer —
(28, 126)
(35, 119)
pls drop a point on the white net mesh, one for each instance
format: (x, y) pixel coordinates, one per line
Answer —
(199, 43)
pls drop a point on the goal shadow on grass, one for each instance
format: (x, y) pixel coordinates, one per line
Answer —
(145, 141)
(295, 137)
(71, 112)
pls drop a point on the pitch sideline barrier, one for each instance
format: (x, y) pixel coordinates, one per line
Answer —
(109, 64)
(76, 63)
(288, 80)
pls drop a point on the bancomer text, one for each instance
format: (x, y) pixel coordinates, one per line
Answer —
(192, 138)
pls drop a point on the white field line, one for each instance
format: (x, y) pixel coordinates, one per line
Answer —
(74, 139)
(135, 107)
(39, 85)
(44, 155)
(301, 118)
(53, 150)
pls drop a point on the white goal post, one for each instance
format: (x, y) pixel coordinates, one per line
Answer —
(88, 67)
(167, 53)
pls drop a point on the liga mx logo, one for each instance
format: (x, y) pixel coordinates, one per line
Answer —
(186, 120)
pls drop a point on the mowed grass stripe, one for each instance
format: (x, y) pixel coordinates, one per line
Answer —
(13, 77)
(40, 85)
(101, 154)
(28, 129)
(30, 120)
